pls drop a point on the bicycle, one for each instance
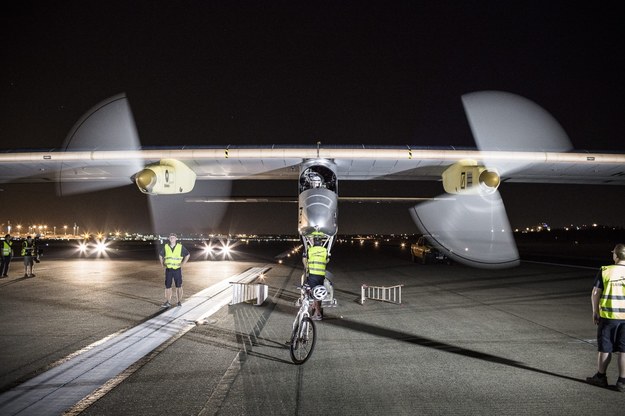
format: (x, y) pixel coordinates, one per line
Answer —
(304, 335)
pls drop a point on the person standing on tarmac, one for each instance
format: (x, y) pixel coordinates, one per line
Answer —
(28, 248)
(315, 263)
(37, 250)
(6, 256)
(608, 313)
(173, 256)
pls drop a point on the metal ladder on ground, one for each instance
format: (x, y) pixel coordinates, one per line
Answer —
(249, 287)
(390, 294)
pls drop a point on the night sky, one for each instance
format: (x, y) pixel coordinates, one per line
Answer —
(229, 72)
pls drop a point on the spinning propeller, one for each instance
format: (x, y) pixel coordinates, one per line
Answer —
(470, 222)
(110, 127)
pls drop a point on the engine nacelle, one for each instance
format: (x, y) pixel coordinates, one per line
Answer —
(467, 177)
(167, 177)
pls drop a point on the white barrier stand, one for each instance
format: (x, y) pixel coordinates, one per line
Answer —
(390, 294)
(245, 292)
(247, 289)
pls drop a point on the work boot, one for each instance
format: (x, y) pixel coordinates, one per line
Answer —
(598, 380)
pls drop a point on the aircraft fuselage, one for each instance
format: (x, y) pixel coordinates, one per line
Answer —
(318, 200)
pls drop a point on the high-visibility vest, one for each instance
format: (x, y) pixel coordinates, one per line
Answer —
(173, 258)
(27, 249)
(612, 301)
(7, 248)
(317, 260)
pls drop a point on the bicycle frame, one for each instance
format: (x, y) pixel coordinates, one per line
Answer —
(303, 335)
(305, 304)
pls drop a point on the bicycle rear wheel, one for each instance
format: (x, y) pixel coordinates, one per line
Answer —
(303, 341)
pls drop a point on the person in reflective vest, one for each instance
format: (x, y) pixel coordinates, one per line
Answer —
(173, 256)
(6, 256)
(608, 313)
(315, 263)
(28, 249)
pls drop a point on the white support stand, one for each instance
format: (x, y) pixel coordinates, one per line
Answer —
(248, 289)
(390, 294)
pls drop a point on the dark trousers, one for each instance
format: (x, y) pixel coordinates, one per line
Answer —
(4, 265)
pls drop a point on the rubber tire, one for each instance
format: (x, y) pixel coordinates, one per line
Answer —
(295, 347)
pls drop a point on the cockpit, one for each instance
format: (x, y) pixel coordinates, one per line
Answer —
(317, 177)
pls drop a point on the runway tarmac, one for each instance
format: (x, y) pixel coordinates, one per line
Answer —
(462, 341)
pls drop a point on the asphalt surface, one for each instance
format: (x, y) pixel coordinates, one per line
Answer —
(463, 340)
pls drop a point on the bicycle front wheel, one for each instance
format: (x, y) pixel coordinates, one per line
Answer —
(303, 341)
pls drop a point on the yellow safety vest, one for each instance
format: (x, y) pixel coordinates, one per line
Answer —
(612, 301)
(173, 259)
(317, 260)
(27, 249)
(6, 248)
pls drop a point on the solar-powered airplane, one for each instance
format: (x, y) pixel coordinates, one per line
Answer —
(517, 141)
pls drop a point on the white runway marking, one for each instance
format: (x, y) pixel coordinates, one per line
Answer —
(58, 389)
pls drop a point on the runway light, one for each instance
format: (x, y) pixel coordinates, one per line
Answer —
(100, 247)
(225, 250)
(208, 249)
(212, 250)
(82, 247)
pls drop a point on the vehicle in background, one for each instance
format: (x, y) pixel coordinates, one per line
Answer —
(423, 252)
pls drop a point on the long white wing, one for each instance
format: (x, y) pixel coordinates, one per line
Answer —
(281, 162)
